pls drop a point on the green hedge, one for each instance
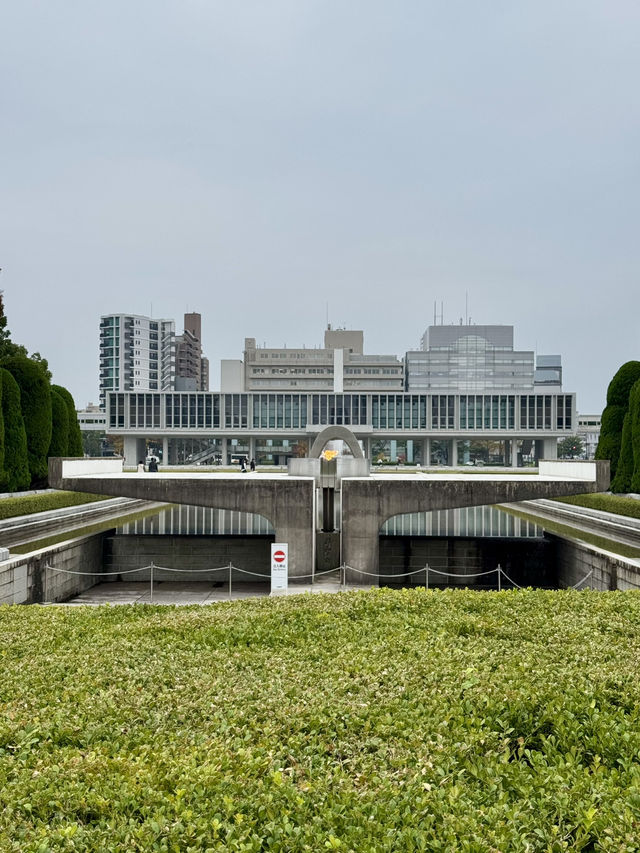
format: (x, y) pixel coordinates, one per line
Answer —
(75, 435)
(28, 504)
(610, 443)
(369, 721)
(35, 403)
(59, 445)
(607, 503)
(16, 461)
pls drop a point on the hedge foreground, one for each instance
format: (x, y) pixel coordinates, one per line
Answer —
(366, 721)
(28, 504)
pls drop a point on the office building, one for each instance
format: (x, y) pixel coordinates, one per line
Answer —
(340, 365)
(478, 359)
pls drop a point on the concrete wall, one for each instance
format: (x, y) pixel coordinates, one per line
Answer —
(26, 580)
(609, 571)
(528, 562)
(252, 553)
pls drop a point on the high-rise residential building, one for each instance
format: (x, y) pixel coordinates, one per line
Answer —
(137, 353)
(478, 359)
(340, 365)
(192, 369)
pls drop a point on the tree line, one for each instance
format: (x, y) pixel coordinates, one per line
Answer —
(37, 419)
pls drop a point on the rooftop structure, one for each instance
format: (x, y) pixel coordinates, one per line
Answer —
(340, 365)
(474, 359)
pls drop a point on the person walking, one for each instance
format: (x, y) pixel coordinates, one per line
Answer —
(141, 467)
(253, 465)
(153, 465)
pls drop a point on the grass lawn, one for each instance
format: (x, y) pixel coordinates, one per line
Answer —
(368, 721)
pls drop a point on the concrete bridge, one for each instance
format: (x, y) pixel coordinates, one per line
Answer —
(289, 502)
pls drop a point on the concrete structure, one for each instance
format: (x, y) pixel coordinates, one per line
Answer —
(137, 353)
(367, 502)
(288, 503)
(432, 429)
(191, 367)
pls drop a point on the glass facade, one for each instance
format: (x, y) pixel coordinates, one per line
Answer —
(426, 413)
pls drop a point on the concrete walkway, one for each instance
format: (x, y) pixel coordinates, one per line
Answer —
(121, 592)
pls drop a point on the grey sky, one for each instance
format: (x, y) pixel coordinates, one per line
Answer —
(255, 161)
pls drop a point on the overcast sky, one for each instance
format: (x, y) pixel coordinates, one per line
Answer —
(258, 161)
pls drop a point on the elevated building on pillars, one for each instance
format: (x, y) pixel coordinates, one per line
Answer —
(467, 397)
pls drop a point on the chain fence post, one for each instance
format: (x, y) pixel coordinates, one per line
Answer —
(499, 577)
(151, 585)
(426, 576)
(344, 575)
(230, 574)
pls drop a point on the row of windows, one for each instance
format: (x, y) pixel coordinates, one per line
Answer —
(381, 411)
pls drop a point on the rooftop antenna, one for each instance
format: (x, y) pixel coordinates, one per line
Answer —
(466, 307)
(328, 326)
(442, 313)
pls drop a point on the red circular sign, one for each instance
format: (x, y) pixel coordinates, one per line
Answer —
(279, 556)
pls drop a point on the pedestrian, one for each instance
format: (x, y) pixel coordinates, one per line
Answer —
(243, 465)
(253, 465)
(141, 467)
(153, 465)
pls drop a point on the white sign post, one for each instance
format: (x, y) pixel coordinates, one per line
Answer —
(279, 568)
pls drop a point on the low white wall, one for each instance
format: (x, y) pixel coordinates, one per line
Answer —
(570, 469)
(83, 467)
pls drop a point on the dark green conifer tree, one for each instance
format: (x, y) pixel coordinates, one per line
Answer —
(35, 404)
(16, 464)
(75, 436)
(59, 445)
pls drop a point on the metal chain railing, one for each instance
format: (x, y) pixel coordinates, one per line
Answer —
(342, 570)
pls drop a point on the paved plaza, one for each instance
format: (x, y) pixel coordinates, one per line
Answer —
(172, 593)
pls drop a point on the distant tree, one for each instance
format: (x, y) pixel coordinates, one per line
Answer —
(92, 442)
(16, 462)
(42, 363)
(59, 445)
(618, 392)
(7, 347)
(35, 404)
(75, 436)
(571, 447)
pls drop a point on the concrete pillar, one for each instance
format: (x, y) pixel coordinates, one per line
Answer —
(550, 448)
(252, 448)
(223, 443)
(426, 451)
(165, 450)
(366, 446)
(454, 453)
(409, 450)
(514, 453)
(134, 450)
(393, 450)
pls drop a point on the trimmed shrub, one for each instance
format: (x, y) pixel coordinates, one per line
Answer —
(29, 504)
(59, 426)
(624, 469)
(75, 436)
(610, 442)
(35, 403)
(16, 467)
(634, 419)
(622, 383)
